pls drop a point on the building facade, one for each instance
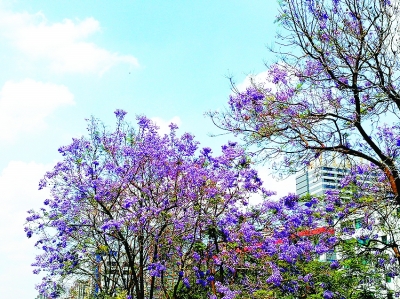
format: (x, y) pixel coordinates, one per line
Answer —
(318, 180)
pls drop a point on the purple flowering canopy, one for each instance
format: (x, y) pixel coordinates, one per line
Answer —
(334, 96)
(132, 210)
(135, 211)
(154, 216)
(335, 89)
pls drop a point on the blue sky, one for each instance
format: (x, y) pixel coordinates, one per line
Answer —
(63, 61)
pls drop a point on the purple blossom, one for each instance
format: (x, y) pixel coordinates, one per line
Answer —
(196, 256)
(334, 265)
(120, 114)
(278, 74)
(328, 294)
(186, 282)
(290, 200)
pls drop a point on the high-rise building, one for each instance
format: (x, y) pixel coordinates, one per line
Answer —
(317, 180)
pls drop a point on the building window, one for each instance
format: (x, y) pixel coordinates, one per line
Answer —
(325, 186)
(328, 174)
(329, 180)
(327, 168)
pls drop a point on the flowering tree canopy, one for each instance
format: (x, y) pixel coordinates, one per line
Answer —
(333, 96)
(335, 90)
(132, 210)
(310, 248)
(145, 215)
(157, 218)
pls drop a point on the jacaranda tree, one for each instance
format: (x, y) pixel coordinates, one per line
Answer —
(304, 248)
(134, 211)
(335, 89)
(334, 95)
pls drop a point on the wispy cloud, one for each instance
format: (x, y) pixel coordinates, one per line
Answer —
(62, 46)
(25, 105)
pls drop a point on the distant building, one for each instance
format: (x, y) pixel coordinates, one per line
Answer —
(318, 180)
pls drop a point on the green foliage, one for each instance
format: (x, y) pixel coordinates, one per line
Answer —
(262, 294)
(199, 246)
(194, 292)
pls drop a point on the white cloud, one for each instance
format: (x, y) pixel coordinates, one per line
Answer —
(258, 79)
(63, 46)
(281, 187)
(164, 125)
(25, 105)
(19, 193)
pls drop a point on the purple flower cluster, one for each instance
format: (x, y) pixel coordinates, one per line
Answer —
(119, 193)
